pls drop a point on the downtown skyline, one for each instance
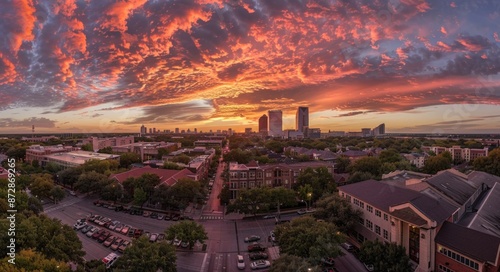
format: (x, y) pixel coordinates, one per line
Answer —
(111, 66)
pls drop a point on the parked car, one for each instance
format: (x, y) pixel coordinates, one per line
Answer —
(241, 262)
(110, 260)
(86, 228)
(175, 217)
(153, 237)
(125, 230)
(97, 203)
(168, 216)
(131, 232)
(256, 247)
(252, 238)
(258, 256)
(301, 211)
(98, 233)
(269, 216)
(113, 225)
(261, 264)
(92, 231)
(111, 207)
(184, 244)
(154, 215)
(369, 267)
(161, 237)
(328, 262)
(109, 241)
(107, 224)
(103, 236)
(123, 246)
(160, 216)
(138, 233)
(102, 222)
(79, 225)
(119, 227)
(347, 246)
(118, 208)
(72, 193)
(146, 214)
(176, 242)
(117, 243)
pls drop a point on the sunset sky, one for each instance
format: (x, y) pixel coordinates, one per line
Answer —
(110, 66)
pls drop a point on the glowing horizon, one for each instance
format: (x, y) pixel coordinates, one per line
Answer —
(111, 66)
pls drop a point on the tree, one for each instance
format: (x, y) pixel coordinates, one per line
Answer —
(338, 211)
(182, 158)
(171, 165)
(188, 231)
(140, 196)
(161, 195)
(87, 147)
(106, 150)
(57, 193)
(224, 195)
(320, 180)
(389, 155)
(251, 201)
(90, 182)
(342, 163)
(305, 237)
(147, 257)
(126, 159)
(288, 262)
(489, 164)
(35, 163)
(29, 260)
(283, 196)
(437, 163)
(52, 167)
(305, 194)
(238, 155)
(69, 176)
(367, 164)
(112, 191)
(385, 257)
(360, 176)
(41, 185)
(185, 191)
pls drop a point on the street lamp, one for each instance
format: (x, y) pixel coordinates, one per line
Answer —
(309, 196)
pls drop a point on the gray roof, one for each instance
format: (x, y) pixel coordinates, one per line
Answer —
(453, 186)
(383, 196)
(477, 245)
(487, 217)
(477, 178)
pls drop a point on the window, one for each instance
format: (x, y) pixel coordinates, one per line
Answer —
(269, 174)
(443, 268)
(369, 208)
(369, 224)
(386, 217)
(356, 202)
(243, 184)
(378, 213)
(362, 221)
(386, 235)
(377, 229)
(362, 205)
(459, 258)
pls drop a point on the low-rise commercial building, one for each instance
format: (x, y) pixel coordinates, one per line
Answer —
(39, 152)
(146, 150)
(100, 143)
(75, 158)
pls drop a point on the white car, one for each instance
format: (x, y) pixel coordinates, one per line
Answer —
(72, 193)
(369, 267)
(260, 264)
(176, 242)
(92, 231)
(110, 259)
(241, 262)
(79, 225)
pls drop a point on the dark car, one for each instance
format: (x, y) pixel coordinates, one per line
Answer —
(109, 241)
(328, 262)
(118, 208)
(138, 233)
(97, 234)
(154, 215)
(258, 256)
(168, 216)
(256, 247)
(103, 236)
(252, 238)
(123, 246)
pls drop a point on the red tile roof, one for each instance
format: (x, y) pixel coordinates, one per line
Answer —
(4, 174)
(167, 176)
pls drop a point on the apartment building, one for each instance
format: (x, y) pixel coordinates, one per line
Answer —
(458, 153)
(416, 159)
(75, 158)
(39, 153)
(250, 175)
(100, 143)
(146, 150)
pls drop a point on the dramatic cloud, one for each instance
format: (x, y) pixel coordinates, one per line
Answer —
(200, 60)
(29, 122)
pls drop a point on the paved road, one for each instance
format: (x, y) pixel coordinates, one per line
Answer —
(226, 237)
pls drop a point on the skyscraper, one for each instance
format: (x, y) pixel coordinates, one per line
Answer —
(275, 123)
(302, 118)
(144, 130)
(263, 124)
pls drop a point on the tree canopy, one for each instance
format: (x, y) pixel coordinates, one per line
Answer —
(147, 257)
(188, 231)
(288, 262)
(335, 209)
(385, 257)
(319, 179)
(489, 164)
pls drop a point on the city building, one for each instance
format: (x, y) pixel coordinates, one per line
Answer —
(209, 143)
(168, 177)
(230, 132)
(416, 159)
(176, 130)
(397, 215)
(146, 150)
(292, 134)
(75, 158)
(39, 153)
(275, 123)
(248, 131)
(302, 118)
(100, 143)
(379, 130)
(366, 132)
(459, 154)
(250, 175)
(263, 125)
(144, 130)
(313, 133)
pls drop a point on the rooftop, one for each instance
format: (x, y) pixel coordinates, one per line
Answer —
(453, 186)
(167, 176)
(480, 246)
(80, 157)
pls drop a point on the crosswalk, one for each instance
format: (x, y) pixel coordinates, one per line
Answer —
(211, 217)
(62, 205)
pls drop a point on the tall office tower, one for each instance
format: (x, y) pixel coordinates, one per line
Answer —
(150, 131)
(176, 130)
(195, 130)
(144, 130)
(379, 130)
(230, 132)
(302, 118)
(275, 123)
(263, 124)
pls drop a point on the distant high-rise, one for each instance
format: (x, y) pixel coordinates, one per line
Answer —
(176, 130)
(302, 118)
(379, 130)
(144, 130)
(275, 123)
(263, 124)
